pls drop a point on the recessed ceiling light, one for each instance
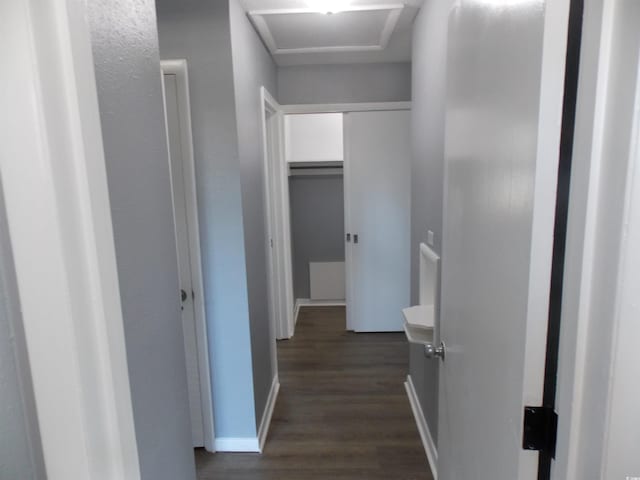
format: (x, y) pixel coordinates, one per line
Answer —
(328, 6)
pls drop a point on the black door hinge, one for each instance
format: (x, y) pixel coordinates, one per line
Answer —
(540, 430)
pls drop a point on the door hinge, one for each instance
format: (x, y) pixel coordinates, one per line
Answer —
(540, 430)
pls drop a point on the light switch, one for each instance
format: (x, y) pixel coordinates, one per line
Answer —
(430, 238)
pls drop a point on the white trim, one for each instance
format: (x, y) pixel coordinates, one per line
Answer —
(598, 233)
(277, 221)
(237, 444)
(251, 444)
(389, 27)
(344, 107)
(307, 302)
(348, 253)
(268, 413)
(351, 8)
(423, 427)
(179, 68)
(59, 217)
(390, 23)
(263, 29)
(341, 49)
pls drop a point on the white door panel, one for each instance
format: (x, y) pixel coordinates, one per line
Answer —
(377, 200)
(501, 155)
(184, 258)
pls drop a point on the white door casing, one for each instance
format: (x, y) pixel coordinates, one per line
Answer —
(59, 218)
(377, 209)
(183, 186)
(503, 116)
(598, 368)
(276, 187)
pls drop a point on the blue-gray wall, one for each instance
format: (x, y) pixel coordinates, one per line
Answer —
(199, 31)
(344, 83)
(20, 448)
(428, 121)
(127, 66)
(253, 68)
(317, 225)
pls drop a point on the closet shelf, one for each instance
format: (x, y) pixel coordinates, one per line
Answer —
(419, 323)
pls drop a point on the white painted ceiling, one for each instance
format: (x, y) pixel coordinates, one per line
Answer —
(367, 31)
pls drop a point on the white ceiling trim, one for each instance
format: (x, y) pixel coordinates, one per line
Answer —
(258, 19)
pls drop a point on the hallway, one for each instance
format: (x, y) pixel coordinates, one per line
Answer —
(342, 411)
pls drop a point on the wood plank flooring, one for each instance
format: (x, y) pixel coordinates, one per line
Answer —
(342, 412)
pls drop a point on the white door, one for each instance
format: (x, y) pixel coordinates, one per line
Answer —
(503, 110)
(377, 211)
(184, 257)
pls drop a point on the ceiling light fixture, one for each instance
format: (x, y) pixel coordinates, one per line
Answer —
(328, 6)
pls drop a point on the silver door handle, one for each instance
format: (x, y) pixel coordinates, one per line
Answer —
(431, 351)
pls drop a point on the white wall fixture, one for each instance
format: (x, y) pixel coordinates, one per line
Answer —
(421, 320)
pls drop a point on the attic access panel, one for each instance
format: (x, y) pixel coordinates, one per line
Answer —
(359, 28)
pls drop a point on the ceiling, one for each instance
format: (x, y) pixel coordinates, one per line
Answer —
(365, 31)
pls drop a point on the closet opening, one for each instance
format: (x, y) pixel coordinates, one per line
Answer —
(337, 183)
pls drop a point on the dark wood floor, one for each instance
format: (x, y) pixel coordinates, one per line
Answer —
(342, 412)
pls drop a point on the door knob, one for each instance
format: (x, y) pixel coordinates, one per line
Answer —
(183, 295)
(431, 351)
(355, 238)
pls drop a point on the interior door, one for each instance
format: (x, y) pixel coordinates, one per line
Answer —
(503, 109)
(184, 258)
(377, 204)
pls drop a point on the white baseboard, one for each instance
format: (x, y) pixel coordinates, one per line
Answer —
(237, 444)
(307, 302)
(268, 412)
(423, 427)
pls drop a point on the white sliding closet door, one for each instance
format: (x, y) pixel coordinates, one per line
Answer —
(377, 217)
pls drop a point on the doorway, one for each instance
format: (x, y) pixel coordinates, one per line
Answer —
(365, 147)
(185, 212)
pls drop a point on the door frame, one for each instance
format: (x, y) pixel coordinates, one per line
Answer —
(283, 233)
(596, 299)
(61, 232)
(277, 222)
(180, 68)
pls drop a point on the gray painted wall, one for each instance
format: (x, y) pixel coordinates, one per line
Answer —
(253, 68)
(20, 449)
(125, 50)
(427, 178)
(199, 31)
(365, 82)
(317, 225)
